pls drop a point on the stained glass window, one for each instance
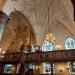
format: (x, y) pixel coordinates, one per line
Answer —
(47, 46)
(71, 67)
(70, 43)
(8, 68)
(47, 68)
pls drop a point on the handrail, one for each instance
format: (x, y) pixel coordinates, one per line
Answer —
(53, 56)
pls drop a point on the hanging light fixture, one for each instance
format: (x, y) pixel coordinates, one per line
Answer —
(49, 37)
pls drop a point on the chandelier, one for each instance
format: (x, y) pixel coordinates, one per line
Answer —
(49, 37)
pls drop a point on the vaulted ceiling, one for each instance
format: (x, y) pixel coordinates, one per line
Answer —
(56, 7)
(73, 2)
(36, 11)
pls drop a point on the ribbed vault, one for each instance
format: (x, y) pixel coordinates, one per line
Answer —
(18, 31)
(60, 12)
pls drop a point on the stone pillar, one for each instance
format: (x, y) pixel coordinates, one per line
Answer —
(52, 68)
(22, 68)
(3, 21)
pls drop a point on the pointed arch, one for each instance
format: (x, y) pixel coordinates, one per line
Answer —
(18, 22)
(23, 30)
(70, 43)
(47, 46)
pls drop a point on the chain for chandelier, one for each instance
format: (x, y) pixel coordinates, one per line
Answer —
(49, 37)
(35, 14)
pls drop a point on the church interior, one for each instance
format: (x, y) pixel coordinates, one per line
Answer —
(37, 37)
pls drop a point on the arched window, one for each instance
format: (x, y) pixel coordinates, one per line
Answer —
(70, 43)
(47, 46)
(71, 67)
(47, 68)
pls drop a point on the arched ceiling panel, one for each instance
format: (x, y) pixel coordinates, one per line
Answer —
(61, 10)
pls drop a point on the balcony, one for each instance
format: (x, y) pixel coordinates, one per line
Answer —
(53, 56)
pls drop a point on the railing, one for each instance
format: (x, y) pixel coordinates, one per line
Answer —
(8, 74)
(12, 57)
(61, 55)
